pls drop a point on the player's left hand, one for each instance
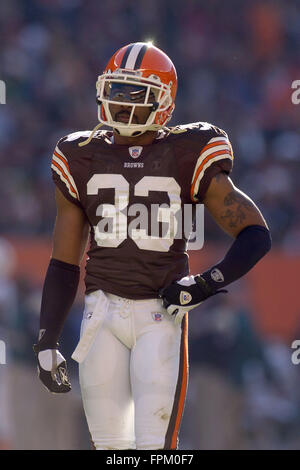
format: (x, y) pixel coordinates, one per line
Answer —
(52, 370)
(182, 296)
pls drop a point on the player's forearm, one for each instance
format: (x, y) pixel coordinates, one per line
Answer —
(249, 247)
(251, 244)
(59, 291)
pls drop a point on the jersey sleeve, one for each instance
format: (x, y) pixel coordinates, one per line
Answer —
(62, 174)
(216, 156)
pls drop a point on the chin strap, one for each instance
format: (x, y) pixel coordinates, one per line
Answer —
(87, 141)
(171, 130)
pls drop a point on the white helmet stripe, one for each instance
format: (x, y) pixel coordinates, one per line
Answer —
(131, 60)
(125, 56)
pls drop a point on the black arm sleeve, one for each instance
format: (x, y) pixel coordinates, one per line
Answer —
(251, 244)
(59, 292)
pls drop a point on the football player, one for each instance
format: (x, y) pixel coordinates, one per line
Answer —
(124, 188)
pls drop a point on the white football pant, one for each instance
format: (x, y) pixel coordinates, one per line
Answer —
(134, 377)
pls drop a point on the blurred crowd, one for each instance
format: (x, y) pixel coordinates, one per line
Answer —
(236, 62)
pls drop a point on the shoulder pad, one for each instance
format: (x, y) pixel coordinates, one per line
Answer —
(82, 135)
(201, 127)
(74, 136)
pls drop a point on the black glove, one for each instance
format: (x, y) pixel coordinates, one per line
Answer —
(182, 296)
(52, 369)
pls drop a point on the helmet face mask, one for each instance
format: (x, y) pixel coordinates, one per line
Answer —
(156, 97)
(152, 86)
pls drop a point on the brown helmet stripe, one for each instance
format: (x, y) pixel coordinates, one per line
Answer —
(140, 57)
(125, 56)
(133, 56)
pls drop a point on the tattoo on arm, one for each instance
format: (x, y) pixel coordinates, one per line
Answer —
(231, 208)
(238, 208)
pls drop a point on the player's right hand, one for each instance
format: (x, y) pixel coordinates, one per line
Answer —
(52, 370)
(184, 295)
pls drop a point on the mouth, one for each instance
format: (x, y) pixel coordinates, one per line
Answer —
(124, 116)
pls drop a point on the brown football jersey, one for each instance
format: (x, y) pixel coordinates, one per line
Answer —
(135, 199)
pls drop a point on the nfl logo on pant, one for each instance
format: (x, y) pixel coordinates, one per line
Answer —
(157, 316)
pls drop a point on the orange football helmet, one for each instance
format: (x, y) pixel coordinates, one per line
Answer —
(151, 76)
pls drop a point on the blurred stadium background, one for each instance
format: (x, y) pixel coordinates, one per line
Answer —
(236, 62)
